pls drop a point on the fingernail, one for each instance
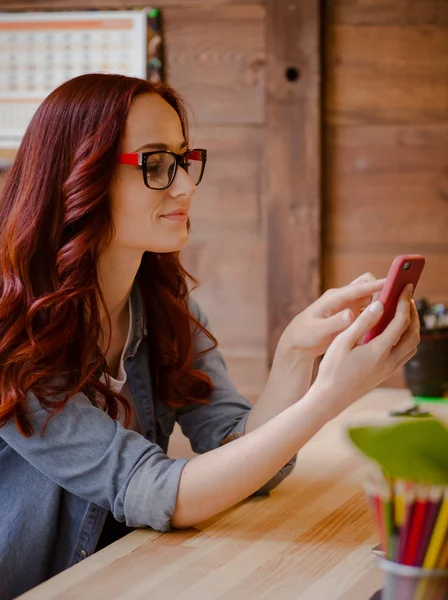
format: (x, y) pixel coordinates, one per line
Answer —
(376, 307)
(409, 289)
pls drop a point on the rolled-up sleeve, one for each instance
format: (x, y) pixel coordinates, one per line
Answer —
(94, 457)
(223, 419)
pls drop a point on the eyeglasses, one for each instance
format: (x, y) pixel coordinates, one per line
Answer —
(160, 167)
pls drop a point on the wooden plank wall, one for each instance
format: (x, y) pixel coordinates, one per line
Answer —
(293, 155)
(386, 139)
(216, 58)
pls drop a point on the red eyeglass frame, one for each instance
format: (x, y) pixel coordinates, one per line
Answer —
(139, 159)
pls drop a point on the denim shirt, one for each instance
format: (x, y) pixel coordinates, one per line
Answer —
(57, 487)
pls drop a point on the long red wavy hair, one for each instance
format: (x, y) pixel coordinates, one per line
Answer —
(55, 220)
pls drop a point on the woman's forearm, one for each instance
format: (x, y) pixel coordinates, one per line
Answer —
(219, 479)
(288, 381)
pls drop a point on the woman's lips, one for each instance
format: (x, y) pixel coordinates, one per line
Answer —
(177, 216)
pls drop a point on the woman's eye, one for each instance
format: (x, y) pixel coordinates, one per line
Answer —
(153, 167)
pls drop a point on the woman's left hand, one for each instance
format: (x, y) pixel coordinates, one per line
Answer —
(312, 331)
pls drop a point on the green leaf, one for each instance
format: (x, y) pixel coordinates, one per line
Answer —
(416, 450)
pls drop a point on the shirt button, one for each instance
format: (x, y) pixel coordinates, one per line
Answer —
(83, 553)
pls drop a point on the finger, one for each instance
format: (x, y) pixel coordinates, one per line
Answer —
(363, 278)
(363, 324)
(411, 337)
(406, 358)
(335, 300)
(361, 304)
(401, 321)
(339, 322)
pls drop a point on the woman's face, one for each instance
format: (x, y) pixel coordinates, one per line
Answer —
(141, 215)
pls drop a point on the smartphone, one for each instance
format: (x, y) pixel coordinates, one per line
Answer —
(404, 269)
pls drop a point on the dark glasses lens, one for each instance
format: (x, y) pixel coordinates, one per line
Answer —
(159, 170)
(160, 167)
(194, 164)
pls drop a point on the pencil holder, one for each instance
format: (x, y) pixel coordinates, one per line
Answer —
(426, 373)
(403, 582)
(408, 495)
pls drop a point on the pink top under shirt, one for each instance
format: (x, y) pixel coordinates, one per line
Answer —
(120, 385)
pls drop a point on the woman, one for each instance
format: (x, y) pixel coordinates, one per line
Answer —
(102, 348)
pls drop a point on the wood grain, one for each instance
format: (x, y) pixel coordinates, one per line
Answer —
(248, 371)
(227, 236)
(233, 295)
(400, 208)
(293, 161)
(6, 160)
(387, 149)
(228, 201)
(401, 82)
(216, 58)
(113, 4)
(398, 48)
(387, 13)
(311, 538)
(386, 140)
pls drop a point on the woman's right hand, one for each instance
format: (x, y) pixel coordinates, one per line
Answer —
(349, 370)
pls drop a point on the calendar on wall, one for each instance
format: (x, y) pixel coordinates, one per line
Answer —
(39, 51)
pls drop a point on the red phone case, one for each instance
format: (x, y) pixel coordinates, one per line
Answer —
(397, 278)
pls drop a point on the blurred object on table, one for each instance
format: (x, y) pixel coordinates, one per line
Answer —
(426, 374)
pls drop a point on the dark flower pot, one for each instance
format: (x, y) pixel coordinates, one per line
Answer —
(426, 374)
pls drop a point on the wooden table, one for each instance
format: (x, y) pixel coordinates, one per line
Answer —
(311, 539)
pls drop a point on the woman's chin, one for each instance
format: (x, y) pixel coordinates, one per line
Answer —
(174, 245)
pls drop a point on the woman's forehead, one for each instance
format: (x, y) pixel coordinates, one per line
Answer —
(151, 120)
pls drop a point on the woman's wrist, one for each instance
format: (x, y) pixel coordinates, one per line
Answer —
(318, 406)
(290, 375)
(289, 349)
(327, 399)
(288, 382)
(289, 357)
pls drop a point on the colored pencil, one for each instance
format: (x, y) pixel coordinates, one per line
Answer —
(413, 540)
(434, 502)
(438, 535)
(385, 494)
(371, 488)
(405, 529)
(399, 503)
(443, 558)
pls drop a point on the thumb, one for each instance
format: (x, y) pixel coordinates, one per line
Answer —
(364, 323)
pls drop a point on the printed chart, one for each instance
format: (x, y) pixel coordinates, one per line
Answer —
(39, 51)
